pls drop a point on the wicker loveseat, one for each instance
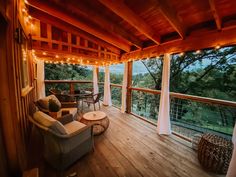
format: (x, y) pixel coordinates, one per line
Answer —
(65, 140)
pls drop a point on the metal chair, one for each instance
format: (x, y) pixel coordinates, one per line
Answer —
(92, 99)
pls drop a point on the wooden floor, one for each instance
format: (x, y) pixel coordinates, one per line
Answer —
(131, 147)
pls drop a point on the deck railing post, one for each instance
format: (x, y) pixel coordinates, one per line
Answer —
(129, 84)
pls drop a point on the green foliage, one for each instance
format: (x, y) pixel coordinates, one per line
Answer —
(211, 73)
(67, 72)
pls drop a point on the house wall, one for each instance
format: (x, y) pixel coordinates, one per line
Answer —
(14, 101)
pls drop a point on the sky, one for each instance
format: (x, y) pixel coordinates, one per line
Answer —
(138, 68)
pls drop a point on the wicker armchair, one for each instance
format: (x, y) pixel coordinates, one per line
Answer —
(61, 149)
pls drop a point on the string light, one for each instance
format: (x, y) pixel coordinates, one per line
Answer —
(44, 53)
(217, 47)
(181, 54)
(57, 56)
(198, 52)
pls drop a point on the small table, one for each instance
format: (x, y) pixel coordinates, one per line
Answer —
(98, 119)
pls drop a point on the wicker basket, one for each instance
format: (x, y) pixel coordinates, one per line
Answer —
(214, 153)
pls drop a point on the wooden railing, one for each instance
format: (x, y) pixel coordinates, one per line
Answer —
(209, 111)
(70, 82)
(189, 97)
(158, 92)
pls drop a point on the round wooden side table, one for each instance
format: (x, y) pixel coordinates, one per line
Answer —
(98, 119)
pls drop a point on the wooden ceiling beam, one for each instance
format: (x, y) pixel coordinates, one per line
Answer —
(46, 18)
(208, 40)
(215, 14)
(122, 10)
(171, 16)
(102, 21)
(98, 32)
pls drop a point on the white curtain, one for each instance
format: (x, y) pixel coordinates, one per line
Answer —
(40, 79)
(124, 88)
(95, 80)
(232, 171)
(163, 124)
(107, 88)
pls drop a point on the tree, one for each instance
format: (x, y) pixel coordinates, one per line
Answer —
(211, 73)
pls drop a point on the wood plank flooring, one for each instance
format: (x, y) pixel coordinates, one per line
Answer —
(131, 147)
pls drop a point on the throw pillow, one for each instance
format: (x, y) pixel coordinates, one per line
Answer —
(59, 128)
(54, 98)
(49, 122)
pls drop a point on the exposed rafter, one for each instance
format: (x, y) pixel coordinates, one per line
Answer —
(98, 32)
(122, 10)
(46, 18)
(171, 16)
(212, 39)
(215, 14)
(110, 26)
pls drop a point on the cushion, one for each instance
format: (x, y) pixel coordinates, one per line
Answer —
(72, 111)
(56, 101)
(73, 126)
(49, 122)
(59, 128)
(44, 102)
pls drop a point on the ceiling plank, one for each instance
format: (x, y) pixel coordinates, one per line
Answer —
(215, 14)
(122, 10)
(102, 34)
(102, 21)
(46, 18)
(208, 40)
(171, 16)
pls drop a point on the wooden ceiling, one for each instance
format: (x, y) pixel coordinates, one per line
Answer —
(130, 26)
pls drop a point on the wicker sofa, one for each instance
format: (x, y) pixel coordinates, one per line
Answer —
(65, 140)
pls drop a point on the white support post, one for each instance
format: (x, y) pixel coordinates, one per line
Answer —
(95, 80)
(231, 170)
(40, 79)
(107, 88)
(124, 88)
(163, 123)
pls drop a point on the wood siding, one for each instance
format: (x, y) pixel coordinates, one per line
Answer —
(14, 107)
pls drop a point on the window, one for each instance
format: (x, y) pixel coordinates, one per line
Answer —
(24, 63)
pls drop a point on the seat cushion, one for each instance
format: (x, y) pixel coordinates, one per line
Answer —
(72, 111)
(73, 126)
(47, 121)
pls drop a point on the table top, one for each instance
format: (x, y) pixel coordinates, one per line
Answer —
(94, 115)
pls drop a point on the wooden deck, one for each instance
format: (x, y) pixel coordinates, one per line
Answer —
(131, 147)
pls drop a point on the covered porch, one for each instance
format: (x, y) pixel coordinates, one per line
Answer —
(131, 147)
(188, 86)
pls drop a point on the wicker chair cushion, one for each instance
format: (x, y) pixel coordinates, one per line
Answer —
(74, 126)
(49, 122)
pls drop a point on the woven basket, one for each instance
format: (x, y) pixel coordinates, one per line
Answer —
(195, 141)
(214, 153)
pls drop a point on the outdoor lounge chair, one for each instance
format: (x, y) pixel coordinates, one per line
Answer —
(65, 140)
